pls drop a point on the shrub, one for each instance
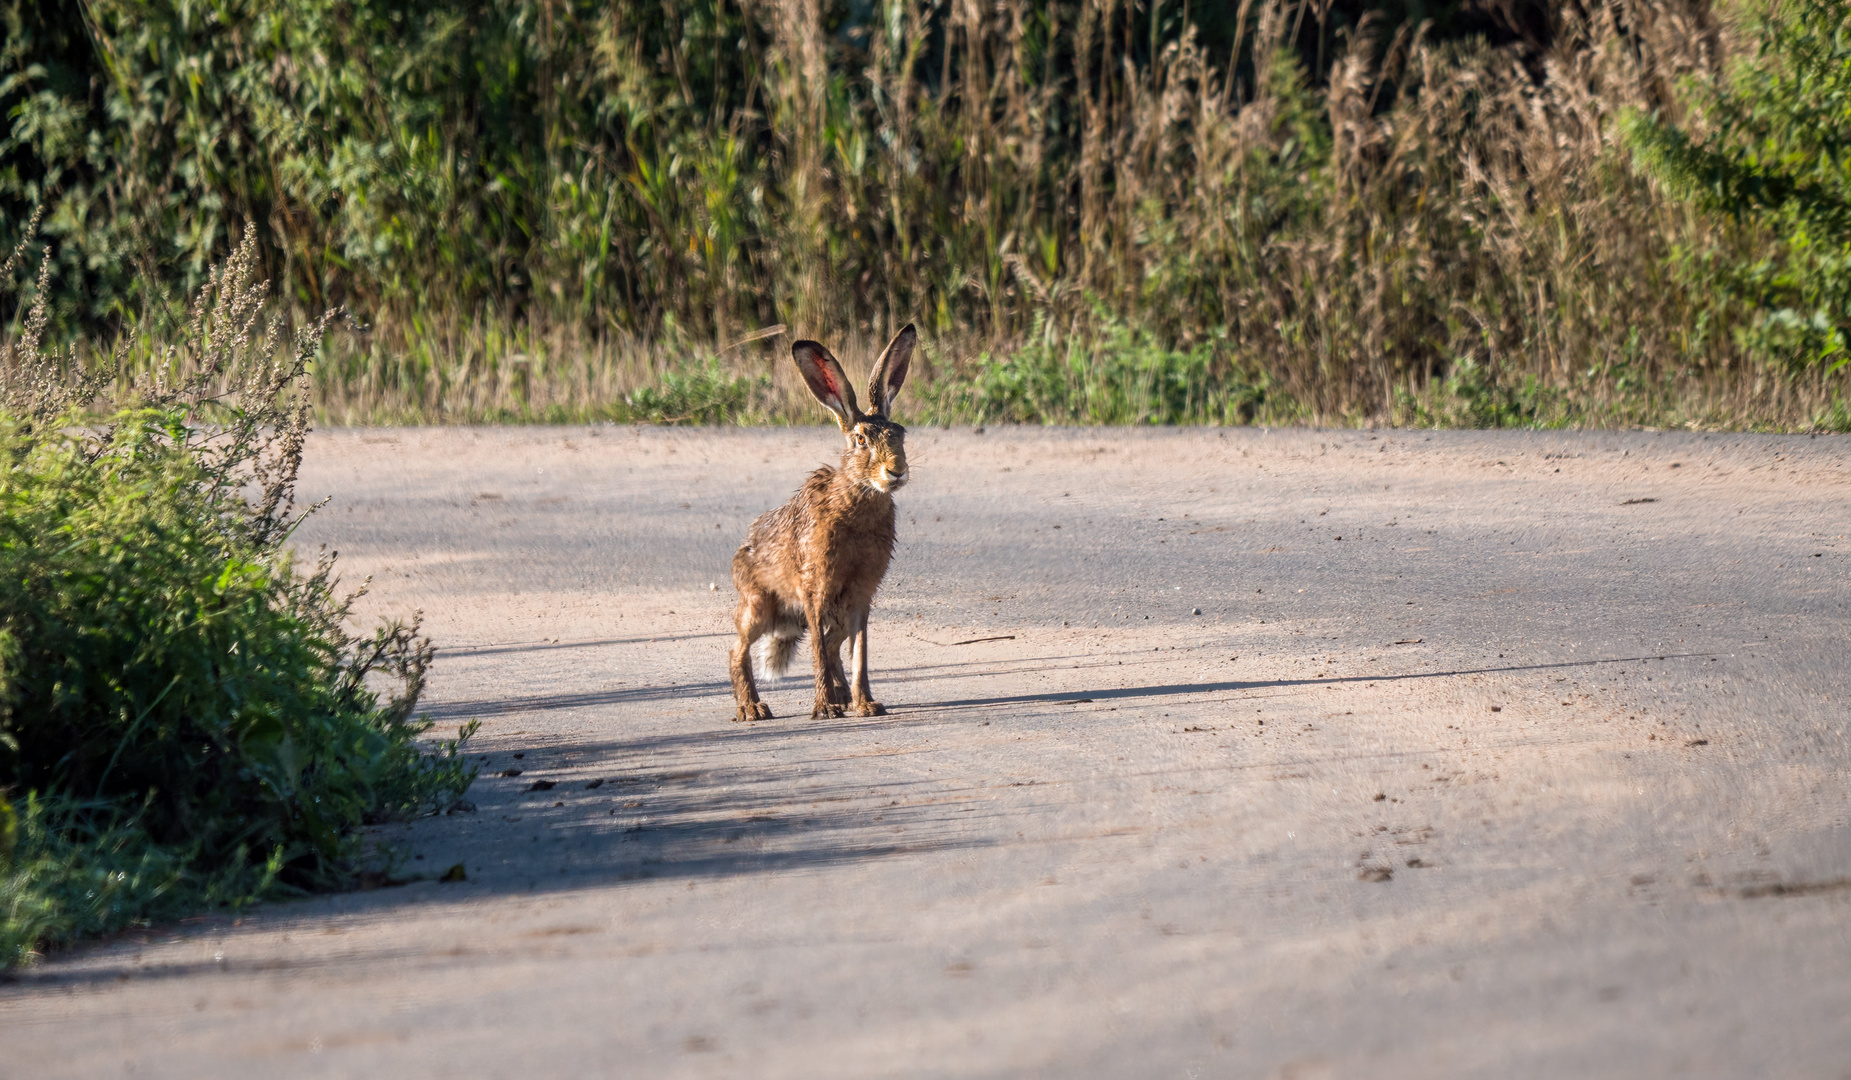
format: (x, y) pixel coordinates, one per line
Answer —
(1774, 153)
(183, 718)
(149, 655)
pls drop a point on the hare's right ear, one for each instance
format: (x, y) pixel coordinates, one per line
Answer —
(889, 372)
(827, 382)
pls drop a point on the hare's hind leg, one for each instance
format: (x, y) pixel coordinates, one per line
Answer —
(832, 667)
(865, 705)
(755, 616)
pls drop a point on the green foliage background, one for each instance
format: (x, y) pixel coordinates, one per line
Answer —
(538, 208)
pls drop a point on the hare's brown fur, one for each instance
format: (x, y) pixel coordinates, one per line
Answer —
(812, 566)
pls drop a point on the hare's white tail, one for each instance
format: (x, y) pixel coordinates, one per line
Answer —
(773, 652)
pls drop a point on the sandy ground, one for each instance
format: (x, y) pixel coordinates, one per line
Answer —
(1487, 754)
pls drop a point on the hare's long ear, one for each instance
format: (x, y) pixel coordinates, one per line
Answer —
(889, 372)
(827, 382)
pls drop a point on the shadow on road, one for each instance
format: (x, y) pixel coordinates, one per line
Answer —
(462, 710)
(1180, 689)
(616, 812)
(552, 646)
(502, 706)
(682, 806)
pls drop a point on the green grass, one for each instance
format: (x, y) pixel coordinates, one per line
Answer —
(1114, 375)
(699, 394)
(1095, 369)
(77, 869)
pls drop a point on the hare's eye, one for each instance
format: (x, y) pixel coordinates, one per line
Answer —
(861, 441)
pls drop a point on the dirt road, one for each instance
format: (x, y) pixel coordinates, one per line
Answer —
(1289, 754)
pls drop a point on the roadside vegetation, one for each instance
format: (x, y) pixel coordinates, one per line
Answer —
(186, 720)
(1100, 211)
(1103, 212)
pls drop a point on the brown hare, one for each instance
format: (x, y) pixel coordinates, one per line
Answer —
(812, 565)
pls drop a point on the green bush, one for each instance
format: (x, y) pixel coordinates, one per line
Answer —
(183, 718)
(148, 655)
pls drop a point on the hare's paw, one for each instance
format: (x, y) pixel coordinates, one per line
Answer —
(826, 710)
(870, 708)
(758, 710)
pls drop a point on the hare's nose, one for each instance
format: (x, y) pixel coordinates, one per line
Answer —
(891, 475)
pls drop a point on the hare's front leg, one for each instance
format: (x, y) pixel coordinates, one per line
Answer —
(826, 672)
(865, 705)
(752, 625)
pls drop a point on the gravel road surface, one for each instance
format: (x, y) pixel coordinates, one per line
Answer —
(1210, 754)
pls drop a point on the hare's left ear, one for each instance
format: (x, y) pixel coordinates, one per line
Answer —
(826, 382)
(889, 372)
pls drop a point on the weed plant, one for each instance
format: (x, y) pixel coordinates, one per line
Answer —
(185, 720)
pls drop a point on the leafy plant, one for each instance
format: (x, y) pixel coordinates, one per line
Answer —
(1773, 149)
(79, 868)
(151, 653)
